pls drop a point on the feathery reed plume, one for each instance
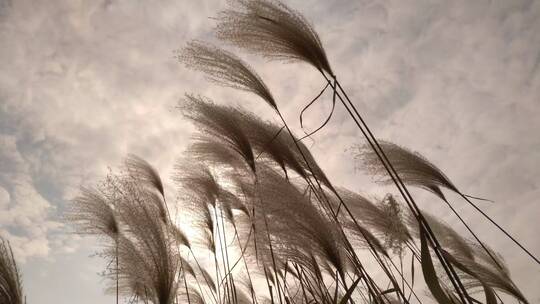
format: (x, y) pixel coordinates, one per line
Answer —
(214, 153)
(273, 30)
(384, 218)
(227, 69)
(288, 210)
(281, 147)
(224, 68)
(197, 180)
(215, 121)
(145, 248)
(91, 213)
(133, 269)
(10, 280)
(478, 267)
(492, 259)
(270, 141)
(201, 218)
(277, 224)
(451, 240)
(412, 168)
(146, 253)
(199, 191)
(143, 171)
(481, 276)
(363, 237)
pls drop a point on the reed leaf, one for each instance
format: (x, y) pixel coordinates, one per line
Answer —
(430, 275)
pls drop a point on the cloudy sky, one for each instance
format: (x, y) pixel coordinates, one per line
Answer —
(82, 83)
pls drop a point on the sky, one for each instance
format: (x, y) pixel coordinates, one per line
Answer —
(83, 83)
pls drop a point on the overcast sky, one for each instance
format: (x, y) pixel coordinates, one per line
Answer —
(82, 83)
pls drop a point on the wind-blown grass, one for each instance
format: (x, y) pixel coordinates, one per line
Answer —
(266, 225)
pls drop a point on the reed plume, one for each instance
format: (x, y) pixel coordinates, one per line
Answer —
(146, 253)
(273, 30)
(11, 291)
(197, 180)
(91, 213)
(215, 121)
(413, 168)
(451, 240)
(478, 269)
(144, 172)
(272, 142)
(289, 210)
(129, 210)
(478, 275)
(224, 68)
(383, 219)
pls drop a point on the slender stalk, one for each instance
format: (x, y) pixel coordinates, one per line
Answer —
(474, 235)
(117, 287)
(221, 244)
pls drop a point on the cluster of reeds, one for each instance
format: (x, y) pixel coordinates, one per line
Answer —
(257, 219)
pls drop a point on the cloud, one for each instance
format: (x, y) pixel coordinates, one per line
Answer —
(24, 212)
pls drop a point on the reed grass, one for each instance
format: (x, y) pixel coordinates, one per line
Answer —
(266, 223)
